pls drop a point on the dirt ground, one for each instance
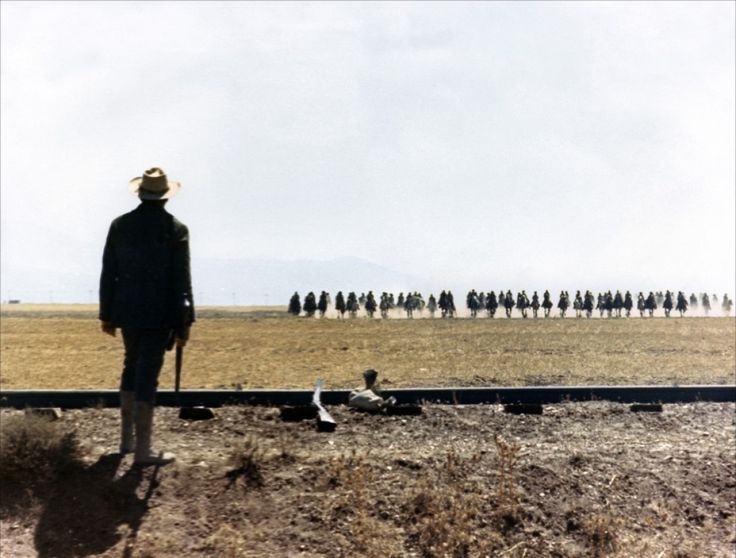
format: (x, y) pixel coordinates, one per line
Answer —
(63, 348)
(583, 479)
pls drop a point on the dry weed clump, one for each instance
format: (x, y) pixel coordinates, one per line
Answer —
(247, 462)
(351, 476)
(226, 542)
(155, 545)
(35, 450)
(600, 530)
(446, 511)
(507, 481)
(443, 519)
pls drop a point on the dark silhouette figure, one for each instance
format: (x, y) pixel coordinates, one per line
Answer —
(667, 304)
(508, 303)
(535, 304)
(340, 304)
(323, 303)
(295, 305)
(564, 303)
(310, 304)
(472, 301)
(547, 304)
(370, 304)
(353, 305)
(491, 304)
(431, 305)
(681, 303)
(628, 303)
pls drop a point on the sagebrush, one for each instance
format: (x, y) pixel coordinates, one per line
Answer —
(34, 449)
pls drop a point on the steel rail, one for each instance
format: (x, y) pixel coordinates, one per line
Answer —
(75, 399)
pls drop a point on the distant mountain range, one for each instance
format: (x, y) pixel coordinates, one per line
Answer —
(220, 281)
(266, 281)
(248, 282)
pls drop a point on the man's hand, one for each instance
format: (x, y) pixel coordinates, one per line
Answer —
(182, 337)
(108, 328)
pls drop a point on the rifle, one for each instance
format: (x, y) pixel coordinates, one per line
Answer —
(179, 359)
(184, 320)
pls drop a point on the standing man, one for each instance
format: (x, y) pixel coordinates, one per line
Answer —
(146, 291)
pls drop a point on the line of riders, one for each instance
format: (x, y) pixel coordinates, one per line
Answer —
(607, 304)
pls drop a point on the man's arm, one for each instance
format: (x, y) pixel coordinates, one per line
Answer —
(108, 278)
(183, 287)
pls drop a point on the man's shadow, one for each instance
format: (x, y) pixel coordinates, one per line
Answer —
(85, 509)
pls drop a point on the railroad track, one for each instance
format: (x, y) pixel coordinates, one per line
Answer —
(647, 394)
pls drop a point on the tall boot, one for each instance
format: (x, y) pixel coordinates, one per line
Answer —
(127, 412)
(143, 430)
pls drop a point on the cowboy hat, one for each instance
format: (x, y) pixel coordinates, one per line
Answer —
(154, 185)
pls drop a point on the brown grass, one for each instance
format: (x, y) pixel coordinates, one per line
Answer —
(36, 450)
(247, 461)
(57, 350)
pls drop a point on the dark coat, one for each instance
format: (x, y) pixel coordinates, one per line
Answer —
(146, 278)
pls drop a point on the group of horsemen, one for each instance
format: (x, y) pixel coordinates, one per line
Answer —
(607, 304)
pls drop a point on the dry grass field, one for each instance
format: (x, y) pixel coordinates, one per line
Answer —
(61, 347)
(580, 480)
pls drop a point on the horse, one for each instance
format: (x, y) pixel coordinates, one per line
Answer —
(353, 305)
(641, 304)
(370, 304)
(608, 303)
(706, 303)
(628, 303)
(535, 304)
(508, 303)
(601, 304)
(667, 305)
(727, 304)
(340, 304)
(563, 304)
(681, 304)
(522, 303)
(322, 304)
(577, 305)
(547, 304)
(491, 304)
(618, 303)
(384, 306)
(588, 304)
(431, 305)
(473, 303)
(650, 304)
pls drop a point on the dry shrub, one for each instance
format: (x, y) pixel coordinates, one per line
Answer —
(600, 530)
(681, 546)
(444, 520)
(456, 468)
(352, 478)
(341, 469)
(247, 462)
(507, 483)
(226, 542)
(154, 545)
(446, 511)
(35, 450)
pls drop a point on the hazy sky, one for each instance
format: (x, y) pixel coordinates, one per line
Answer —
(573, 143)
